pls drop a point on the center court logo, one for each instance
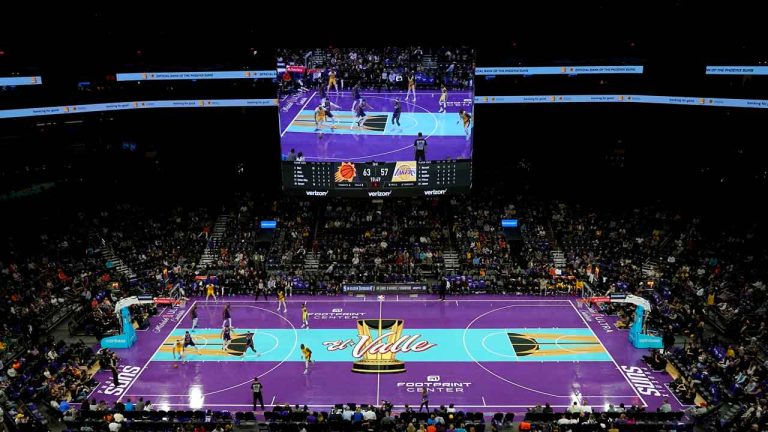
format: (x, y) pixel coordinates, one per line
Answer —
(434, 384)
(380, 341)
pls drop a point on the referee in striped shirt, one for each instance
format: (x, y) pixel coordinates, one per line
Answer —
(421, 146)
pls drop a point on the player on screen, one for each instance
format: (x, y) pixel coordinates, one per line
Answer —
(249, 344)
(396, 114)
(210, 291)
(411, 87)
(360, 114)
(188, 342)
(281, 300)
(193, 314)
(178, 348)
(443, 98)
(356, 99)
(321, 90)
(327, 105)
(319, 118)
(466, 118)
(332, 81)
(304, 316)
(226, 337)
(306, 354)
(226, 317)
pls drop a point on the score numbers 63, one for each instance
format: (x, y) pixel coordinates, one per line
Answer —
(367, 172)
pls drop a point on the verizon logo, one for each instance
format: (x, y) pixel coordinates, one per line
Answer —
(380, 193)
(435, 192)
(317, 193)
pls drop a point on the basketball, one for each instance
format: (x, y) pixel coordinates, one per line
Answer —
(347, 171)
(175, 365)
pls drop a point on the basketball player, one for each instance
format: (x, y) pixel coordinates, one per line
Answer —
(281, 300)
(179, 348)
(193, 313)
(411, 87)
(327, 105)
(304, 316)
(396, 114)
(188, 342)
(321, 89)
(332, 81)
(443, 98)
(227, 317)
(360, 114)
(226, 337)
(306, 354)
(210, 291)
(319, 117)
(356, 99)
(249, 344)
(465, 117)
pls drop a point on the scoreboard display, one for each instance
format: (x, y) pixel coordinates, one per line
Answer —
(377, 179)
(361, 142)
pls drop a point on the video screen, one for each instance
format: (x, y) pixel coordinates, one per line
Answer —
(406, 106)
(354, 104)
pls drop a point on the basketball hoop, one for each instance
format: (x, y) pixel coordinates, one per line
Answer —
(169, 301)
(601, 299)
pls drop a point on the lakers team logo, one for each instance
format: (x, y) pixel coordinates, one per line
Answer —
(380, 341)
(404, 172)
(346, 172)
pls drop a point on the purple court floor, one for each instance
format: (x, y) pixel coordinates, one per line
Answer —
(485, 353)
(379, 139)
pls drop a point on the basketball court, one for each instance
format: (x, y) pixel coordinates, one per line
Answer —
(379, 138)
(484, 353)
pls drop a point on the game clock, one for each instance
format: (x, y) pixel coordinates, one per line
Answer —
(377, 179)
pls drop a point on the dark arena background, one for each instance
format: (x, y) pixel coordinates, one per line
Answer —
(551, 219)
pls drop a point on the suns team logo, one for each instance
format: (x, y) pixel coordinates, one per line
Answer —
(346, 172)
